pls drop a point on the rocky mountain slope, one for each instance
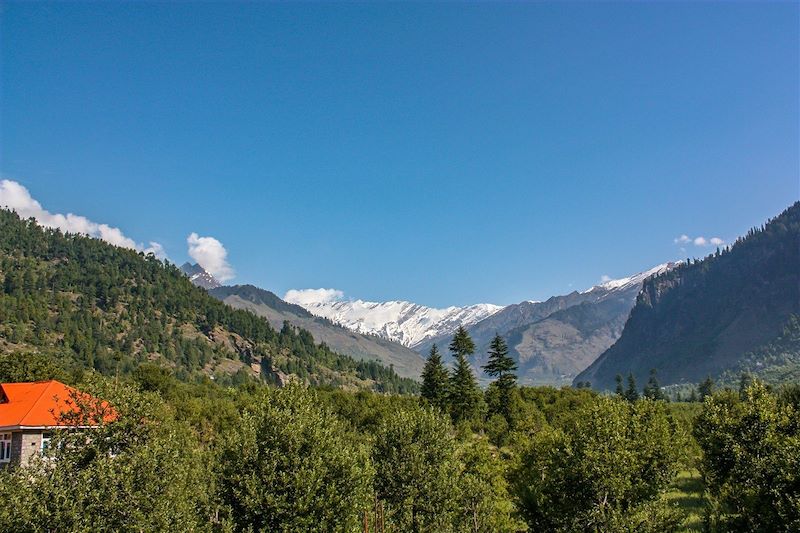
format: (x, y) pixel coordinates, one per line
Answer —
(405, 361)
(199, 276)
(554, 340)
(734, 307)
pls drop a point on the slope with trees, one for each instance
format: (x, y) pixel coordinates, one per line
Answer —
(112, 309)
(707, 317)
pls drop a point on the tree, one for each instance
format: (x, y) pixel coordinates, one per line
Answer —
(485, 501)
(502, 367)
(750, 461)
(604, 470)
(293, 466)
(416, 470)
(465, 396)
(653, 389)
(706, 388)
(435, 380)
(631, 393)
(620, 389)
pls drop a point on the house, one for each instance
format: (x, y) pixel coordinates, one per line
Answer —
(29, 413)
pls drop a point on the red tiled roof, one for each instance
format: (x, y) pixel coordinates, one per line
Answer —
(36, 404)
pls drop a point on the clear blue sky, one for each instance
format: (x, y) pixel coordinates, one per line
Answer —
(446, 154)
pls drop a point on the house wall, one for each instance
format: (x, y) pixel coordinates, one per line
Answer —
(24, 445)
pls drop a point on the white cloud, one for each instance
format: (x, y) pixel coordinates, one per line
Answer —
(312, 296)
(604, 278)
(210, 254)
(699, 241)
(16, 197)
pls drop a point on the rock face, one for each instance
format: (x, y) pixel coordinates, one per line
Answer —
(406, 362)
(554, 340)
(199, 276)
(705, 318)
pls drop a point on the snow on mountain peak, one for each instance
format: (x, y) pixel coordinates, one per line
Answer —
(636, 279)
(405, 322)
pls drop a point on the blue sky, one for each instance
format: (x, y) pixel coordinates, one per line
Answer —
(446, 154)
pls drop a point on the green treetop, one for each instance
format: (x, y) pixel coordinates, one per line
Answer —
(435, 380)
(465, 395)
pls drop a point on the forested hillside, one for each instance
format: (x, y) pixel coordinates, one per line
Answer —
(735, 310)
(111, 309)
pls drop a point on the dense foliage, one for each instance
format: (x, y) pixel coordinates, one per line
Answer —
(111, 309)
(751, 460)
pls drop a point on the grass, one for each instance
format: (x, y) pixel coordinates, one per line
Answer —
(687, 493)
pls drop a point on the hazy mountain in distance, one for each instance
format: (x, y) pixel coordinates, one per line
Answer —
(406, 362)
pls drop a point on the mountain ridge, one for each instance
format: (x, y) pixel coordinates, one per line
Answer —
(704, 317)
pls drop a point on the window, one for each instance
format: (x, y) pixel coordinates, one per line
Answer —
(5, 447)
(46, 442)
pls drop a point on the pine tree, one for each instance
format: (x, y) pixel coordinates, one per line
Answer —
(632, 393)
(435, 380)
(706, 388)
(502, 367)
(653, 389)
(620, 389)
(464, 394)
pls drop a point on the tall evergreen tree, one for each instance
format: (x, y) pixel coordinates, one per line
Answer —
(631, 393)
(653, 389)
(435, 380)
(464, 394)
(706, 388)
(620, 389)
(502, 367)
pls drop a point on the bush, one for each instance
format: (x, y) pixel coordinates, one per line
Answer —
(751, 461)
(604, 470)
(416, 470)
(293, 466)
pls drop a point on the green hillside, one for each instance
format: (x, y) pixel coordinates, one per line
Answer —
(736, 310)
(98, 306)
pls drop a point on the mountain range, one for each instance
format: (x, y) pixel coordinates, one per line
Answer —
(552, 340)
(406, 323)
(555, 339)
(360, 346)
(736, 310)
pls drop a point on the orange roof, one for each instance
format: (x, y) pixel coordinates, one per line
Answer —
(36, 404)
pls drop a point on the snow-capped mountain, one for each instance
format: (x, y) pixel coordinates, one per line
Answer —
(635, 281)
(404, 322)
(199, 276)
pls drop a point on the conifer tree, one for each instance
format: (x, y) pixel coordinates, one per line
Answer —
(706, 388)
(620, 389)
(631, 393)
(435, 380)
(502, 367)
(464, 394)
(653, 389)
